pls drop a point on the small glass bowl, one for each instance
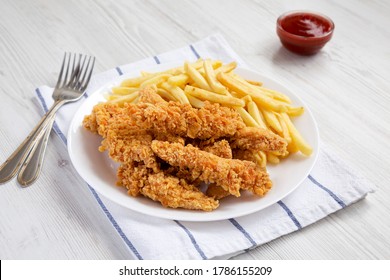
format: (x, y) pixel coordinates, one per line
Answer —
(304, 32)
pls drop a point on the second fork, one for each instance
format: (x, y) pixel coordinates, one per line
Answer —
(67, 90)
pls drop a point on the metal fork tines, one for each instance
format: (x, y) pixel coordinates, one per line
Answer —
(74, 77)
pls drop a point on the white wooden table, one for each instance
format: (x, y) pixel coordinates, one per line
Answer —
(346, 86)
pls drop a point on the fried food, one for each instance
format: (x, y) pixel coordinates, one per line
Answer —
(174, 192)
(219, 148)
(166, 150)
(216, 192)
(128, 148)
(258, 139)
(98, 121)
(170, 191)
(231, 174)
(212, 80)
(211, 121)
(201, 122)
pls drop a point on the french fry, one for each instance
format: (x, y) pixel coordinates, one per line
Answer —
(254, 83)
(246, 99)
(226, 68)
(295, 111)
(247, 118)
(179, 80)
(199, 63)
(177, 92)
(196, 76)
(214, 97)
(244, 88)
(155, 80)
(272, 158)
(277, 95)
(259, 89)
(285, 133)
(195, 102)
(166, 95)
(261, 159)
(292, 148)
(296, 137)
(215, 85)
(135, 82)
(272, 120)
(125, 98)
(237, 95)
(254, 111)
(123, 90)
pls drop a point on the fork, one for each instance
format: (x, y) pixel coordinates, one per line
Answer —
(32, 166)
(74, 76)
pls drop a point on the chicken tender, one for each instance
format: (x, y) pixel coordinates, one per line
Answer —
(133, 176)
(128, 148)
(232, 175)
(177, 193)
(211, 121)
(98, 121)
(170, 191)
(258, 139)
(219, 148)
(148, 140)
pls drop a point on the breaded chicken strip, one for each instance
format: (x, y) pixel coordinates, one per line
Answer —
(98, 121)
(148, 95)
(133, 176)
(168, 190)
(127, 148)
(219, 148)
(222, 149)
(177, 193)
(211, 121)
(231, 174)
(258, 139)
(244, 155)
(216, 192)
(171, 118)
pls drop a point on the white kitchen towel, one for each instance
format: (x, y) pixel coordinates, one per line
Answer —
(331, 186)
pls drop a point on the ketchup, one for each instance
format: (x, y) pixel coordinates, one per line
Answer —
(304, 32)
(306, 25)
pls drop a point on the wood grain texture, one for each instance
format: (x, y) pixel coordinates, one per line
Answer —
(345, 85)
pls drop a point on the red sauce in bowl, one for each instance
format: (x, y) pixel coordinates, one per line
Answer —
(304, 32)
(306, 25)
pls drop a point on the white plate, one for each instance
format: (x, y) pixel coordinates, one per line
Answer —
(100, 172)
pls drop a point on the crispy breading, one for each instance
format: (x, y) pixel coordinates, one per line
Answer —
(244, 155)
(128, 148)
(133, 176)
(216, 192)
(219, 148)
(177, 193)
(182, 120)
(258, 139)
(232, 175)
(99, 120)
(170, 191)
(148, 95)
(148, 139)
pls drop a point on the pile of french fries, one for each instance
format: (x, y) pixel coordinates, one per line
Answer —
(211, 80)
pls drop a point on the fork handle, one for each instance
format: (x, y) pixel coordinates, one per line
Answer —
(11, 166)
(32, 166)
